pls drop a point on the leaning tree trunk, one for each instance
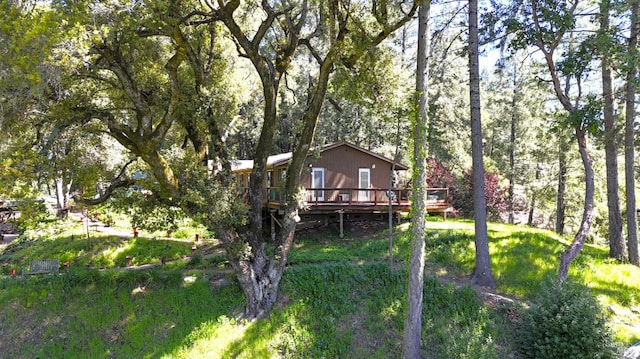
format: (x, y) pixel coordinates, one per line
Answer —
(617, 248)
(482, 274)
(547, 46)
(587, 217)
(629, 139)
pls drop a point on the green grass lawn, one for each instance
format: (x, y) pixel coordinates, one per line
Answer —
(338, 298)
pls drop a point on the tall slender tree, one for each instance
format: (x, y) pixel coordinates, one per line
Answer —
(413, 321)
(629, 135)
(482, 274)
(617, 248)
(512, 145)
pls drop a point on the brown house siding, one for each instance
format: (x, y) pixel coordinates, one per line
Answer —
(341, 166)
(341, 163)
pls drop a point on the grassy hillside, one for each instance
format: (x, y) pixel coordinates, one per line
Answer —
(338, 297)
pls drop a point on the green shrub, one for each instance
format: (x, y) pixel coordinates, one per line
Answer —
(33, 214)
(195, 261)
(565, 321)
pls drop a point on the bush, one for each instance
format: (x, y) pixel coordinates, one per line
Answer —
(565, 321)
(32, 214)
(495, 195)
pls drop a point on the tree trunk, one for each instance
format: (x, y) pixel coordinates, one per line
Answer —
(62, 196)
(512, 151)
(629, 139)
(562, 184)
(392, 184)
(531, 210)
(482, 274)
(260, 286)
(587, 216)
(413, 321)
(617, 248)
(533, 199)
(547, 50)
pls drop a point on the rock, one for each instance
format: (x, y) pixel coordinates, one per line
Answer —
(633, 352)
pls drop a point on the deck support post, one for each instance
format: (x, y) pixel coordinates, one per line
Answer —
(341, 213)
(273, 225)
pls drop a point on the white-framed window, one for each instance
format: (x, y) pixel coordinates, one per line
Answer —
(270, 179)
(364, 182)
(317, 181)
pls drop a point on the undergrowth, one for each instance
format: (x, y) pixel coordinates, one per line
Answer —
(338, 297)
(330, 310)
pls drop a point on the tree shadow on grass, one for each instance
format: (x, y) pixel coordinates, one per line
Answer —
(521, 260)
(103, 314)
(624, 305)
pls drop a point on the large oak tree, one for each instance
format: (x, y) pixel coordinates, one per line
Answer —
(153, 74)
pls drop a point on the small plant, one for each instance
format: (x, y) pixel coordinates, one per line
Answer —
(195, 261)
(626, 297)
(565, 321)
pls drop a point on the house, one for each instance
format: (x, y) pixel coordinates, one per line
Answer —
(338, 179)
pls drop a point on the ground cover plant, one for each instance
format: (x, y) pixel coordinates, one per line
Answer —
(338, 297)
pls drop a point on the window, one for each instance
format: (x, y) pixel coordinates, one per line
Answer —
(364, 182)
(270, 179)
(317, 181)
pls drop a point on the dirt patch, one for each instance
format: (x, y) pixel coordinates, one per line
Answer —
(363, 344)
(21, 333)
(354, 230)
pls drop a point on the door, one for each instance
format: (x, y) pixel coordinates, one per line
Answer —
(317, 181)
(364, 182)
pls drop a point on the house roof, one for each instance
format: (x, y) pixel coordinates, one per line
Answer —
(272, 161)
(283, 158)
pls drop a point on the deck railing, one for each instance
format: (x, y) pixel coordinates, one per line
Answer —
(373, 196)
(376, 196)
(358, 199)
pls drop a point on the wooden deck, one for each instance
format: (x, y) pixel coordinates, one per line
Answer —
(356, 200)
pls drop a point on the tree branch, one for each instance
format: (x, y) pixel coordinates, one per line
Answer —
(119, 182)
(119, 67)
